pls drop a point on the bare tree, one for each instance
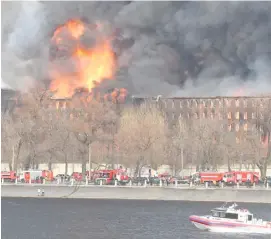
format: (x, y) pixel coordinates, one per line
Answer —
(206, 135)
(263, 125)
(90, 122)
(141, 130)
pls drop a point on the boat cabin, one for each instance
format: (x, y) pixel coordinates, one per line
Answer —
(242, 215)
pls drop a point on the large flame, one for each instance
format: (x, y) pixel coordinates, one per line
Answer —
(92, 65)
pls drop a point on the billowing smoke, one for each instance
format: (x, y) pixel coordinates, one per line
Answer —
(167, 48)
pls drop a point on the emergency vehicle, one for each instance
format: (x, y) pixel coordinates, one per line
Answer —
(36, 176)
(8, 176)
(108, 176)
(242, 177)
(210, 177)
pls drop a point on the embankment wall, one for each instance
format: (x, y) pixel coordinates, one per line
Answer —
(140, 193)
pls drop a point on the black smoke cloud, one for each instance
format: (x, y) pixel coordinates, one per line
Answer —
(163, 48)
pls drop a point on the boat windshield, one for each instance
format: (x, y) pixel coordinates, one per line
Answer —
(222, 214)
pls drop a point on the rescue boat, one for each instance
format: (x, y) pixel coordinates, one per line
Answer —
(231, 219)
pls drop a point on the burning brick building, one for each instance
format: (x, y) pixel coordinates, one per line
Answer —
(236, 114)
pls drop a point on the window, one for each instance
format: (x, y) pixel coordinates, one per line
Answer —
(261, 104)
(196, 103)
(229, 127)
(245, 103)
(212, 115)
(181, 104)
(237, 103)
(220, 116)
(196, 115)
(180, 116)
(215, 214)
(231, 215)
(237, 127)
(245, 127)
(222, 126)
(172, 104)
(188, 115)
(253, 103)
(204, 115)
(237, 115)
(261, 115)
(188, 104)
(204, 104)
(229, 115)
(220, 104)
(237, 140)
(245, 116)
(212, 104)
(228, 102)
(249, 217)
(253, 115)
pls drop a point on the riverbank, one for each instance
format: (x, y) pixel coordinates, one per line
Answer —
(141, 193)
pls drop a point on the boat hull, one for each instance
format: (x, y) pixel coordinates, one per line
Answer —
(204, 223)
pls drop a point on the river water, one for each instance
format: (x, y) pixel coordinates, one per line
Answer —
(109, 219)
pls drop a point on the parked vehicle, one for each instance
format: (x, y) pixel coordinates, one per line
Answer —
(77, 176)
(210, 177)
(36, 176)
(62, 177)
(242, 177)
(8, 176)
(108, 176)
(180, 180)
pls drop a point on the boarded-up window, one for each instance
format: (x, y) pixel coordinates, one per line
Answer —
(229, 115)
(237, 115)
(245, 116)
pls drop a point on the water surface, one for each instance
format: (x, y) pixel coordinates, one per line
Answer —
(109, 219)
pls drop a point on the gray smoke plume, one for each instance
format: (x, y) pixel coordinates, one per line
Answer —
(166, 48)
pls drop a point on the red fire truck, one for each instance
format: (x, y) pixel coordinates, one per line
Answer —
(241, 176)
(36, 176)
(8, 176)
(210, 177)
(108, 176)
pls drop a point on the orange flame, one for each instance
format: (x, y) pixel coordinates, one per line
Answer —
(93, 65)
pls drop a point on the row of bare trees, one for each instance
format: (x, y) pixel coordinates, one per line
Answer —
(102, 133)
